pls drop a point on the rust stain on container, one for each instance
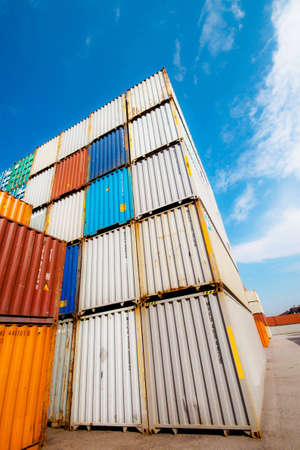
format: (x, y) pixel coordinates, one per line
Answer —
(70, 174)
(26, 354)
(15, 209)
(29, 261)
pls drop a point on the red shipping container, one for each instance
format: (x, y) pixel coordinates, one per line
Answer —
(31, 271)
(70, 174)
(285, 319)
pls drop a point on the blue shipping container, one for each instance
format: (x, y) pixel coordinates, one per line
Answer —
(68, 292)
(108, 201)
(107, 153)
(4, 179)
(18, 192)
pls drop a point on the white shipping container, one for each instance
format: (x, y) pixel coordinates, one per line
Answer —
(38, 189)
(38, 218)
(65, 219)
(107, 118)
(74, 139)
(109, 269)
(45, 156)
(152, 130)
(254, 302)
(106, 385)
(171, 251)
(58, 401)
(146, 94)
(285, 329)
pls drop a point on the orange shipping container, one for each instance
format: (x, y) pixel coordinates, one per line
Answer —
(70, 174)
(285, 319)
(261, 328)
(26, 355)
(14, 209)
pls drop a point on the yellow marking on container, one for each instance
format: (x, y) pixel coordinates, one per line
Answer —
(46, 287)
(187, 163)
(63, 303)
(68, 185)
(122, 207)
(235, 352)
(107, 189)
(90, 124)
(206, 236)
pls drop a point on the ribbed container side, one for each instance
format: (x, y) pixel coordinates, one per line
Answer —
(160, 180)
(58, 407)
(45, 156)
(74, 138)
(19, 192)
(109, 269)
(147, 94)
(108, 201)
(70, 174)
(254, 302)
(38, 218)
(14, 209)
(106, 387)
(190, 373)
(107, 118)
(152, 130)
(38, 190)
(250, 350)
(284, 319)
(66, 217)
(4, 179)
(20, 172)
(171, 251)
(31, 269)
(26, 354)
(68, 292)
(108, 153)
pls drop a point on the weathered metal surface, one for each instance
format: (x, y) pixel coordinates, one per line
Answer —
(60, 392)
(65, 220)
(31, 269)
(107, 118)
(190, 373)
(147, 94)
(38, 219)
(160, 180)
(20, 172)
(106, 385)
(45, 156)
(4, 179)
(74, 138)
(109, 269)
(108, 153)
(14, 209)
(70, 174)
(68, 291)
(38, 189)
(152, 130)
(171, 251)
(26, 354)
(108, 201)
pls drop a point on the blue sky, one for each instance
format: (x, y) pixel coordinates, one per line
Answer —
(235, 67)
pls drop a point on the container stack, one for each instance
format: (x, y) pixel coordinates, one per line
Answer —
(256, 307)
(31, 265)
(157, 332)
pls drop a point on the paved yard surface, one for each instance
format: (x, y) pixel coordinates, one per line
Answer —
(280, 425)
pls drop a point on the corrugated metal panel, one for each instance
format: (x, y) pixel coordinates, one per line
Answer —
(19, 192)
(20, 172)
(160, 180)
(171, 251)
(26, 354)
(108, 153)
(45, 156)
(152, 130)
(108, 201)
(284, 319)
(107, 118)
(285, 329)
(66, 217)
(38, 219)
(68, 292)
(74, 138)
(31, 269)
(190, 373)
(109, 269)
(38, 189)
(58, 402)
(14, 209)
(146, 94)
(70, 174)
(106, 387)
(4, 179)
(254, 302)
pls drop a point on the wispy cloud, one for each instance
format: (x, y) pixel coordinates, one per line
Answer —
(180, 69)
(117, 14)
(243, 204)
(206, 68)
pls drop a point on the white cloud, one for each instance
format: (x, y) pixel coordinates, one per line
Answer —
(206, 68)
(243, 204)
(281, 240)
(227, 135)
(117, 12)
(216, 34)
(181, 70)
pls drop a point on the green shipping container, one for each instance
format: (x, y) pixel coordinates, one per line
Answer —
(20, 172)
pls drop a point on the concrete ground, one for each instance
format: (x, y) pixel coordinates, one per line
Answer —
(280, 423)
